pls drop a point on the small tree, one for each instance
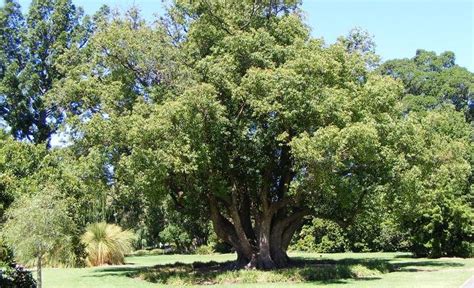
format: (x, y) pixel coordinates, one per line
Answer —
(39, 229)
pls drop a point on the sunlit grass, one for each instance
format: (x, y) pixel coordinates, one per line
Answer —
(334, 270)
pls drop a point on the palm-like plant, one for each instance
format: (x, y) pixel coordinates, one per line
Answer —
(106, 244)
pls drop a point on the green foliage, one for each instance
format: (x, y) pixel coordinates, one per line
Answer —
(14, 275)
(17, 161)
(322, 236)
(431, 80)
(176, 236)
(30, 47)
(204, 250)
(148, 252)
(431, 186)
(376, 233)
(40, 227)
(217, 244)
(106, 244)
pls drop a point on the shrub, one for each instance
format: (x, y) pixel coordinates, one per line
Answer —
(177, 236)
(106, 244)
(147, 252)
(322, 236)
(204, 250)
(13, 275)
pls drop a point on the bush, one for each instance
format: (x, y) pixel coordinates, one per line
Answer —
(106, 244)
(447, 232)
(178, 237)
(204, 250)
(147, 252)
(321, 236)
(12, 274)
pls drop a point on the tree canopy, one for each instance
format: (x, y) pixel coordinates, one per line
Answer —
(230, 112)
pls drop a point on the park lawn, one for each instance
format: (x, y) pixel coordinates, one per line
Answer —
(408, 272)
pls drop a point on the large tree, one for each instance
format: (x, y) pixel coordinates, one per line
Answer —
(255, 122)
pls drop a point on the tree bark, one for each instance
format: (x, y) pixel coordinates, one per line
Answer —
(264, 259)
(272, 225)
(239, 228)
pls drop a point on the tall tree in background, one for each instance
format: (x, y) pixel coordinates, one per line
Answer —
(431, 80)
(30, 47)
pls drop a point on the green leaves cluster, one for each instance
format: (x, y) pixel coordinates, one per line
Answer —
(432, 184)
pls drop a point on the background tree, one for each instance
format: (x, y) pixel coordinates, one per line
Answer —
(431, 190)
(30, 48)
(40, 229)
(431, 80)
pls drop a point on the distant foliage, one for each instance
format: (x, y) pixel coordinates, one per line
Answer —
(204, 250)
(431, 80)
(177, 237)
(217, 244)
(431, 185)
(322, 236)
(106, 244)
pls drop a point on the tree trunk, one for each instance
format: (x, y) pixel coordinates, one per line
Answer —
(273, 230)
(38, 272)
(264, 259)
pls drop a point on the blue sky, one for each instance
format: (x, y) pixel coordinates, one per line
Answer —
(399, 27)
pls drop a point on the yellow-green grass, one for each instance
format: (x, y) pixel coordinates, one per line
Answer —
(323, 270)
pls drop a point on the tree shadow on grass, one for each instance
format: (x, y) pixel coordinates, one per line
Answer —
(326, 271)
(301, 269)
(425, 265)
(125, 271)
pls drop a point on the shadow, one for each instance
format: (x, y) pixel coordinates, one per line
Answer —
(125, 271)
(300, 269)
(426, 266)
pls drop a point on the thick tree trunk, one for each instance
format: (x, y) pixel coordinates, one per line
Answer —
(273, 231)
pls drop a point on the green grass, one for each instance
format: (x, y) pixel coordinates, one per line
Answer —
(326, 270)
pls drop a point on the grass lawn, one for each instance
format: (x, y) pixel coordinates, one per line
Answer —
(340, 270)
